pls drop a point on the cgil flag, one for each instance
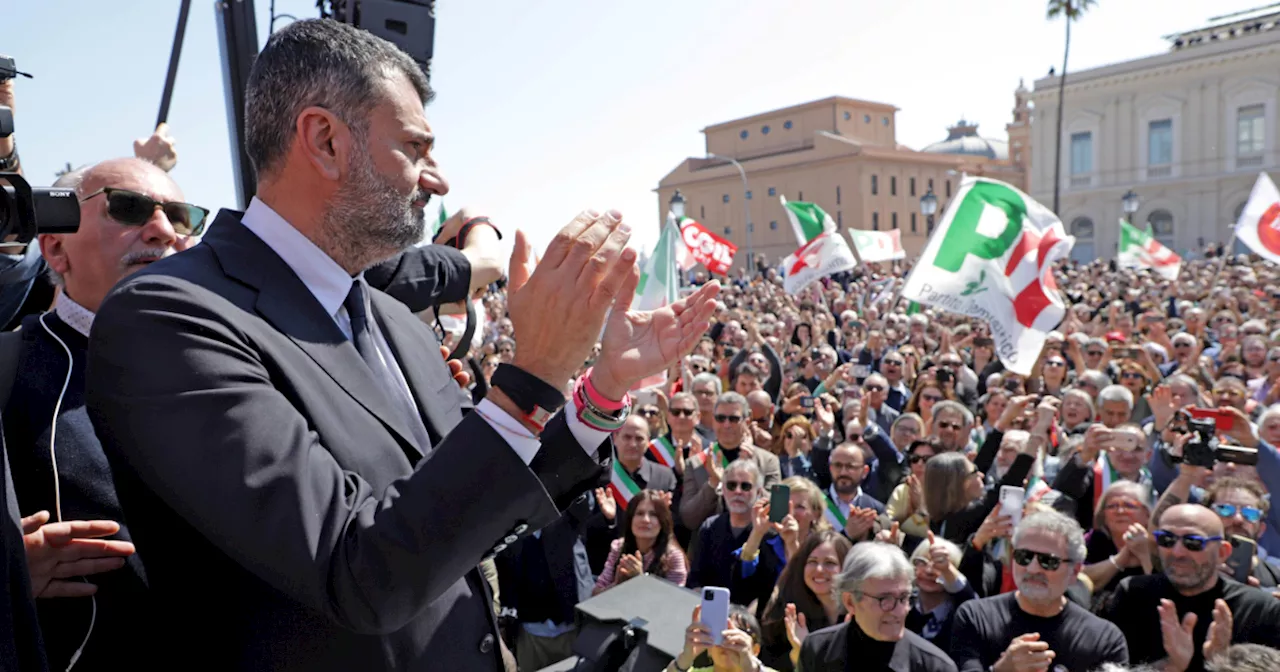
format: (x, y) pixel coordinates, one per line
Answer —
(807, 220)
(622, 485)
(1139, 249)
(992, 258)
(703, 247)
(1259, 223)
(873, 246)
(818, 258)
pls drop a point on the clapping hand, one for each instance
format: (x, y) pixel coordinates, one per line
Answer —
(859, 523)
(797, 626)
(1026, 653)
(890, 536)
(57, 552)
(1218, 638)
(630, 566)
(608, 505)
(1176, 637)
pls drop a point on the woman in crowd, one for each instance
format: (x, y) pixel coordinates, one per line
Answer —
(804, 590)
(736, 653)
(760, 561)
(906, 504)
(955, 495)
(1052, 373)
(990, 407)
(648, 545)
(906, 430)
(927, 393)
(940, 590)
(1077, 411)
(802, 336)
(1133, 376)
(1119, 545)
(793, 447)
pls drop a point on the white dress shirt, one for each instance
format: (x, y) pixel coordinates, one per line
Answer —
(329, 283)
(73, 314)
(845, 507)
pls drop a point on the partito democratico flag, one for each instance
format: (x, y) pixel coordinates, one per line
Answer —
(992, 258)
(820, 257)
(1259, 225)
(873, 246)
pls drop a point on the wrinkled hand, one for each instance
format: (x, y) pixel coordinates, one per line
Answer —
(714, 470)
(1178, 644)
(797, 626)
(638, 344)
(789, 530)
(1138, 542)
(940, 560)
(1026, 653)
(760, 517)
(60, 551)
(523, 262)
(1162, 405)
(558, 313)
(824, 417)
(995, 526)
(1013, 410)
(158, 149)
(608, 505)
(1219, 636)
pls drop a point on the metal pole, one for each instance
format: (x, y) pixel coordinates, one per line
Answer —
(746, 208)
(174, 55)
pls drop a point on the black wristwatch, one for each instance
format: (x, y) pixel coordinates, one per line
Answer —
(538, 400)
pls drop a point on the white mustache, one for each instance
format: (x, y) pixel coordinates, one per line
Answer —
(149, 254)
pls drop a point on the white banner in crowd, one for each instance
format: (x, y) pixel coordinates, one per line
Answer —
(818, 258)
(874, 246)
(992, 258)
(1259, 224)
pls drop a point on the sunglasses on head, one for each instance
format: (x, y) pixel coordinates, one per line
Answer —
(133, 209)
(1192, 542)
(738, 486)
(1048, 561)
(1249, 513)
(728, 418)
(686, 412)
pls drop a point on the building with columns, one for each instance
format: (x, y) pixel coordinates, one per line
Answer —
(838, 152)
(1187, 130)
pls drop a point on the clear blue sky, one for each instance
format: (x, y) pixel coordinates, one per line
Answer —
(546, 108)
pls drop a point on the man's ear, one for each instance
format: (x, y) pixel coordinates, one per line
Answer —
(1224, 551)
(54, 252)
(323, 140)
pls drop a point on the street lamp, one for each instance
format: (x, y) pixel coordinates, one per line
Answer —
(929, 206)
(1130, 203)
(746, 207)
(677, 205)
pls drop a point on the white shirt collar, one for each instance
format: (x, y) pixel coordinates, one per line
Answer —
(323, 277)
(835, 497)
(73, 314)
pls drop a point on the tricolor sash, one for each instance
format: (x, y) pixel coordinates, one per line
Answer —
(623, 487)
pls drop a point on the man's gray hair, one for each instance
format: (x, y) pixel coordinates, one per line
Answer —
(318, 63)
(871, 560)
(1185, 381)
(1245, 658)
(1095, 378)
(748, 465)
(1114, 393)
(732, 398)
(684, 396)
(1016, 437)
(1054, 524)
(948, 406)
(1082, 395)
(708, 378)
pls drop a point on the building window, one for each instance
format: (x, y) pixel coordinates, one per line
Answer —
(875, 221)
(840, 218)
(913, 223)
(894, 220)
(764, 130)
(743, 135)
(848, 116)
(725, 198)
(1251, 130)
(1161, 224)
(773, 226)
(773, 192)
(884, 121)
(800, 197)
(728, 230)
(702, 212)
(912, 186)
(948, 188)
(1160, 143)
(837, 195)
(1081, 153)
(866, 118)
(931, 183)
(875, 185)
(893, 185)
(1082, 229)
(748, 194)
(786, 125)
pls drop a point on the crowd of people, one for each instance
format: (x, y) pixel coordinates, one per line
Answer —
(253, 449)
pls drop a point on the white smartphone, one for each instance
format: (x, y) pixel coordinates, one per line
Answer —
(715, 611)
(1011, 499)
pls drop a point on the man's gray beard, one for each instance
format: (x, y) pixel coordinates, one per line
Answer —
(368, 220)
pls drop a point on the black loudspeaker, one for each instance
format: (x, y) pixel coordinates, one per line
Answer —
(636, 626)
(409, 24)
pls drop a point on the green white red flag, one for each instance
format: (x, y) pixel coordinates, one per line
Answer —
(663, 451)
(818, 258)
(875, 246)
(808, 221)
(659, 283)
(992, 257)
(622, 486)
(1259, 224)
(1140, 249)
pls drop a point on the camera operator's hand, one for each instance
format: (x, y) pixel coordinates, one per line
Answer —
(158, 149)
(7, 100)
(481, 247)
(1241, 429)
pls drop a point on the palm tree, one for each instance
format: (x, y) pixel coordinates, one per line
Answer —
(1072, 10)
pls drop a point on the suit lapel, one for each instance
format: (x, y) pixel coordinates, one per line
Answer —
(293, 310)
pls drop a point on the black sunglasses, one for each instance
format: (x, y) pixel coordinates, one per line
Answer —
(133, 209)
(1192, 542)
(686, 412)
(1049, 561)
(728, 418)
(917, 459)
(649, 412)
(738, 486)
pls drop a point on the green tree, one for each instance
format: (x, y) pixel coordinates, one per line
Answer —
(1071, 10)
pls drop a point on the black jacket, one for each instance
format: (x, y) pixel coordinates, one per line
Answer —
(827, 650)
(958, 526)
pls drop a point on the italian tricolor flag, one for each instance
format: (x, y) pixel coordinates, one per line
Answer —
(808, 221)
(838, 520)
(1139, 249)
(622, 486)
(659, 283)
(663, 451)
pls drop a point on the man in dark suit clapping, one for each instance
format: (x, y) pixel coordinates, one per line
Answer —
(288, 440)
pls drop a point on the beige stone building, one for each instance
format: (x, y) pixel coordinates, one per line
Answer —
(838, 152)
(1187, 130)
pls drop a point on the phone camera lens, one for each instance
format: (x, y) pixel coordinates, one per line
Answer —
(708, 595)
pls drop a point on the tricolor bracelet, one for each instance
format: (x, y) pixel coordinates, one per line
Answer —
(596, 418)
(598, 400)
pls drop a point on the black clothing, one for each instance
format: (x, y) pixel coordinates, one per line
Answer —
(1256, 615)
(21, 647)
(918, 621)
(711, 558)
(544, 576)
(958, 526)
(1080, 641)
(845, 648)
(1099, 547)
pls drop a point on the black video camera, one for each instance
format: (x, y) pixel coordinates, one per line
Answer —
(27, 211)
(1205, 451)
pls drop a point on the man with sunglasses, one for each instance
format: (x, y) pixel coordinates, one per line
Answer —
(875, 396)
(702, 483)
(1036, 627)
(1190, 611)
(131, 214)
(893, 366)
(1242, 504)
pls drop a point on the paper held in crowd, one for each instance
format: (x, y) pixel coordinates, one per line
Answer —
(992, 258)
(1259, 223)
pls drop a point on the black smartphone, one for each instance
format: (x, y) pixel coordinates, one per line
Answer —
(1241, 559)
(806, 402)
(779, 502)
